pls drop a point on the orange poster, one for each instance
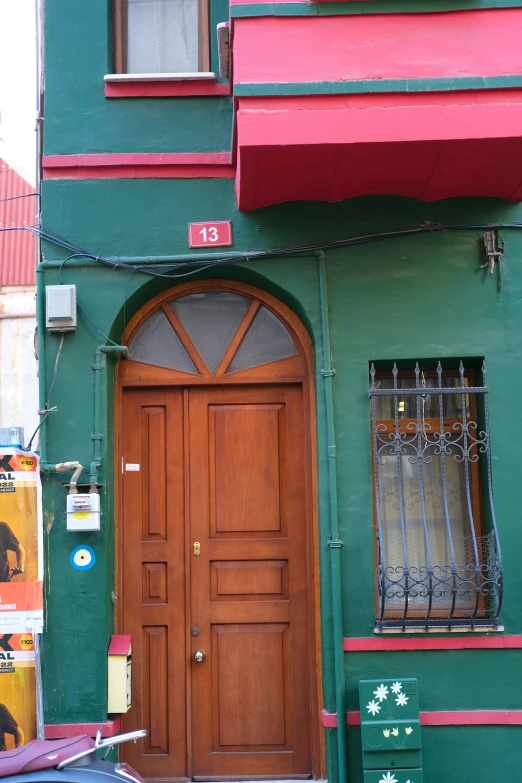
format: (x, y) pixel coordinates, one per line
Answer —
(21, 555)
(17, 690)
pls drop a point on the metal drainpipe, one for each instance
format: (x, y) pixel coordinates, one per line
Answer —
(100, 365)
(40, 305)
(334, 544)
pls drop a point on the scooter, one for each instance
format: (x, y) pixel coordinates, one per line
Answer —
(71, 760)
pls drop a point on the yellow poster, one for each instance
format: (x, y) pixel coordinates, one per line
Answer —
(17, 690)
(21, 556)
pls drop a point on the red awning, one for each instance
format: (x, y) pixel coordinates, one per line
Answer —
(425, 146)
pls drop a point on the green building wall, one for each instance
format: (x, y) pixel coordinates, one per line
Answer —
(418, 296)
(412, 297)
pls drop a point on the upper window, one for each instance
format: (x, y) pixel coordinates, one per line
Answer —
(212, 333)
(161, 36)
(437, 546)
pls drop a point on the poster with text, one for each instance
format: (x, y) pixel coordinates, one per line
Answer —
(21, 550)
(17, 690)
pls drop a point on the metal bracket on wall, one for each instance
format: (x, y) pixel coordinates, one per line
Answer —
(328, 373)
(493, 250)
(334, 543)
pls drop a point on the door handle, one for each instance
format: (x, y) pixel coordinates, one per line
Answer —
(199, 656)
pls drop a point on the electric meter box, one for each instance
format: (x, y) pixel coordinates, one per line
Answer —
(83, 512)
(390, 726)
(120, 674)
(60, 308)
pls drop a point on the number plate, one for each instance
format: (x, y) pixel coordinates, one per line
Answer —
(210, 234)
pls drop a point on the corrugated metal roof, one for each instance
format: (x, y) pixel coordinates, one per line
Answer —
(17, 248)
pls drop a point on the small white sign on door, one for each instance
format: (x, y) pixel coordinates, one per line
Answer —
(133, 466)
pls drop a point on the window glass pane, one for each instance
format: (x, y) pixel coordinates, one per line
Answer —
(157, 343)
(211, 319)
(429, 407)
(267, 340)
(162, 36)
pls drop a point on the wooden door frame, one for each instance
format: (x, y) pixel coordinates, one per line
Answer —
(131, 374)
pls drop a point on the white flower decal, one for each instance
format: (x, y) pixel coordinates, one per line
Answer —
(396, 687)
(408, 730)
(373, 707)
(401, 700)
(395, 732)
(388, 778)
(386, 732)
(381, 693)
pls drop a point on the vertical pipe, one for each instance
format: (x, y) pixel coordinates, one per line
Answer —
(335, 544)
(40, 321)
(100, 366)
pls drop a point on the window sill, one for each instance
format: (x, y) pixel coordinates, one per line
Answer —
(162, 85)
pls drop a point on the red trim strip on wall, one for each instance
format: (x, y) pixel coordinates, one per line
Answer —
(164, 89)
(394, 644)
(64, 730)
(442, 718)
(138, 165)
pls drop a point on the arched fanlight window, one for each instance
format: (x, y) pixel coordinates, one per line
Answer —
(212, 332)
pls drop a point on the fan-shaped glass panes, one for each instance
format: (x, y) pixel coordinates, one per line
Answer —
(193, 334)
(267, 340)
(157, 343)
(211, 319)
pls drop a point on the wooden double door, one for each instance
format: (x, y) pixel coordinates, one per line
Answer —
(214, 576)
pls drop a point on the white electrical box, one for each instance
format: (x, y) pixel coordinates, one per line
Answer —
(83, 512)
(60, 308)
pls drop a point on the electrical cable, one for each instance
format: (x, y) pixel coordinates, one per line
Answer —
(12, 198)
(46, 409)
(82, 310)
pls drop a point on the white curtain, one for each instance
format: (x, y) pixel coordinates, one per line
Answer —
(162, 36)
(438, 537)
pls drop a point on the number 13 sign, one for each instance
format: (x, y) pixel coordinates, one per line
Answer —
(210, 234)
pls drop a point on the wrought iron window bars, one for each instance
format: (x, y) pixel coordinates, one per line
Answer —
(427, 575)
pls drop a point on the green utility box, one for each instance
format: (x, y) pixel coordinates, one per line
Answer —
(390, 731)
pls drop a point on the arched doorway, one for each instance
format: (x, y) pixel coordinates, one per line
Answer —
(215, 536)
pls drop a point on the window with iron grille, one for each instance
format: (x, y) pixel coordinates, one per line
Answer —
(438, 553)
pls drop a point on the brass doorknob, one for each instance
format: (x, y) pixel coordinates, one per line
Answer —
(199, 656)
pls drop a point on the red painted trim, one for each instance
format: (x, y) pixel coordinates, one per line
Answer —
(382, 46)
(164, 89)
(442, 718)
(329, 719)
(64, 730)
(472, 718)
(139, 165)
(385, 644)
(137, 159)
(142, 172)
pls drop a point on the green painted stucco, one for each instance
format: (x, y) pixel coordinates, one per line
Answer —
(422, 296)
(413, 297)
(78, 117)
(253, 89)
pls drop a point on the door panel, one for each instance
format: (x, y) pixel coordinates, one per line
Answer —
(250, 696)
(244, 466)
(153, 579)
(223, 466)
(251, 679)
